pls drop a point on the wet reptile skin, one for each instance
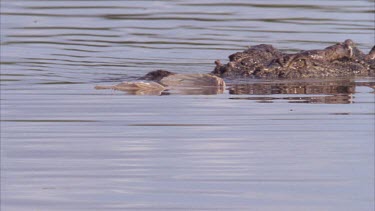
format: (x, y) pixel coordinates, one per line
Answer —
(265, 61)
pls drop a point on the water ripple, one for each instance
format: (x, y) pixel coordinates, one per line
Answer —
(259, 145)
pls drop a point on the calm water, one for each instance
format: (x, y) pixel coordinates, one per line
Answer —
(259, 145)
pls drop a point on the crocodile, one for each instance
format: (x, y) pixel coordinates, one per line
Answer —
(343, 59)
(264, 61)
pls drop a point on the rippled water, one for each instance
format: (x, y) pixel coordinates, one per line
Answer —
(259, 145)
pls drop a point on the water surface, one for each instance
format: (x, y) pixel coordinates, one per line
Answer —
(259, 145)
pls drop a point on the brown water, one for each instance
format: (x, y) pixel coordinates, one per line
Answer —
(259, 145)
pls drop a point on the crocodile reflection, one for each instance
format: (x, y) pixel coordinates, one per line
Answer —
(326, 92)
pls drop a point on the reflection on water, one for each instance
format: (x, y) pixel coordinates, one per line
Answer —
(335, 99)
(324, 91)
(202, 90)
(194, 91)
(291, 87)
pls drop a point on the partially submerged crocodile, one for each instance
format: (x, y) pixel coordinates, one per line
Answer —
(262, 61)
(265, 61)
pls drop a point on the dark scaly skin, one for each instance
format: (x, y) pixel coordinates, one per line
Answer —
(264, 61)
(249, 62)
